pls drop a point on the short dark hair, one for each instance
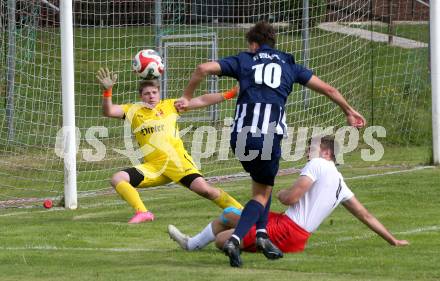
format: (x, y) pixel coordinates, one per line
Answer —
(148, 83)
(328, 142)
(262, 33)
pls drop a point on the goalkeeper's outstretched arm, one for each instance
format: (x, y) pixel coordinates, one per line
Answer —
(107, 81)
(204, 100)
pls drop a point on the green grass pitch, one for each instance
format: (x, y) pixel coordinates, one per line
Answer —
(95, 242)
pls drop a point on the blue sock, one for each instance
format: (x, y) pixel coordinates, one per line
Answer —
(262, 221)
(249, 216)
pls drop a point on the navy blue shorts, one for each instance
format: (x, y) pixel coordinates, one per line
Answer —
(260, 160)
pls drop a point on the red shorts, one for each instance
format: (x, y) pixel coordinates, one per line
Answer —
(283, 232)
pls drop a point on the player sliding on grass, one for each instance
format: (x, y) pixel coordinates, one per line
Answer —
(154, 123)
(266, 77)
(315, 194)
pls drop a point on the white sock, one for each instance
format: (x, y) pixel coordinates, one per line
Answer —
(202, 239)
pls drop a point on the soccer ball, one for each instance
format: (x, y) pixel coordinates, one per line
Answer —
(147, 64)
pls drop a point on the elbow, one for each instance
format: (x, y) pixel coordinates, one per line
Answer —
(208, 68)
(287, 200)
(291, 201)
(202, 70)
(106, 112)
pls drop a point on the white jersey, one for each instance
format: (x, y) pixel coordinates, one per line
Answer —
(327, 191)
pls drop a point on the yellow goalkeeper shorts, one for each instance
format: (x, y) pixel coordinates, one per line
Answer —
(164, 171)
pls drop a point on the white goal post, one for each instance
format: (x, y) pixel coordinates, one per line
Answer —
(68, 101)
(435, 77)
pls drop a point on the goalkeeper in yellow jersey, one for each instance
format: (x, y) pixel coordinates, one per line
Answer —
(154, 123)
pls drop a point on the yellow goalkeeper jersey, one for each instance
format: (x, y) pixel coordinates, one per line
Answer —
(155, 129)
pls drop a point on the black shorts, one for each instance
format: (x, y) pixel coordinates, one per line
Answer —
(263, 162)
(137, 179)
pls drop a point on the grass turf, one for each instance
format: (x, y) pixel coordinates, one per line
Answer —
(95, 242)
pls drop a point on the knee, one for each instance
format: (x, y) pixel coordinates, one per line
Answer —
(230, 216)
(118, 177)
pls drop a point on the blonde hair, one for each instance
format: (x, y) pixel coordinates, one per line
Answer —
(148, 83)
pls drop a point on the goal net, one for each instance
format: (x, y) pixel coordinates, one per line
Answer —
(374, 53)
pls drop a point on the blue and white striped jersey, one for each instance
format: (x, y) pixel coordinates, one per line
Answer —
(260, 116)
(266, 79)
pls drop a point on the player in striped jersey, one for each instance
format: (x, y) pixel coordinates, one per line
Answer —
(266, 77)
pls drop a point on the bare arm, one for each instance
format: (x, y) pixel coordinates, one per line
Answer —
(204, 100)
(111, 110)
(354, 118)
(361, 213)
(202, 70)
(292, 195)
(107, 81)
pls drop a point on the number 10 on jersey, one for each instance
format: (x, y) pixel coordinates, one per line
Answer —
(269, 74)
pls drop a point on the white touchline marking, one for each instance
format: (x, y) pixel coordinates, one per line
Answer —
(94, 215)
(55, 248)
(390, 173)
(28, 212)
(342, 239)
(433, 228)
(82, 206)
(63, 209)
(227, 189)
(421, 229)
